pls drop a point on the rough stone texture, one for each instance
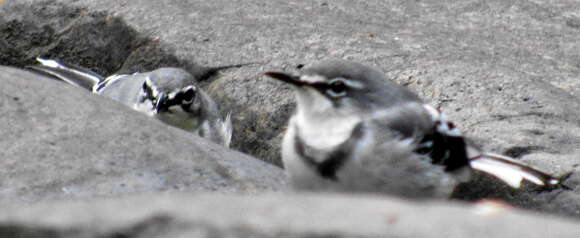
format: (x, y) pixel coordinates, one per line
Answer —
(273, 216)
(506, 71)
(59, 142)
(260, 108)
(502, 69)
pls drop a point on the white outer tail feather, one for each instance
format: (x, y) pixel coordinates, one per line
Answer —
(77, 73)
(510, 171)
(49, 63)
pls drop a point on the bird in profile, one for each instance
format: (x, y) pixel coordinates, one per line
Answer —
(168, 94)
(355, 131)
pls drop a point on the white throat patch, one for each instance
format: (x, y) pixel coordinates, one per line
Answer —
(325, 133)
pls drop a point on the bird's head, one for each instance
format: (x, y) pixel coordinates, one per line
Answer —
(342, 87)
(173, 97)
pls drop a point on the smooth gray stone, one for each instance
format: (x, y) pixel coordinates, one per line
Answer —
(59, 141)
(505, 71)
(274, 215)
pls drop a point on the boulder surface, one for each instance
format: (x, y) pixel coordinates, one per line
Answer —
(274, 215)
(59, 141)
(505, 71)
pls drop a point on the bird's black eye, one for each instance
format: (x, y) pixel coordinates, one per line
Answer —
(188, 95)
(147, 91)
(337, 88)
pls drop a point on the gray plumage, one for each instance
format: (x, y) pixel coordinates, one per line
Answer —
(168, 94)
(355, 131)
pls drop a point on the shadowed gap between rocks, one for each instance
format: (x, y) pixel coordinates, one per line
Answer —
(93, 39)
(96, 40)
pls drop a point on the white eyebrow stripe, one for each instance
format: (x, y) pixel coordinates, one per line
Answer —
(353, 84)
(153, 88)
(312, 78)
(321, 79)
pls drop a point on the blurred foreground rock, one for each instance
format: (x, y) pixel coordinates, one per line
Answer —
(59, 141)
(322, 215)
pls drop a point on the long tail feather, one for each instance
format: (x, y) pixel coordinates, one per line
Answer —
(510, 171)
(69, 73)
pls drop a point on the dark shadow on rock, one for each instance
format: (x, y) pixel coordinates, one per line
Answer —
(16, 231)
(151, 54)
(104, 43)
(519, 151)
(93, 39)
(549, 199)
(260, 111)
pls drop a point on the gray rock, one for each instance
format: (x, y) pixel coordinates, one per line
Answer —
(60, 142)
(505, 71)
(451, 51)
(259, 117)
(211, 215)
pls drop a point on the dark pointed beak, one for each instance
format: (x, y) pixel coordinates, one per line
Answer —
(284, 77)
